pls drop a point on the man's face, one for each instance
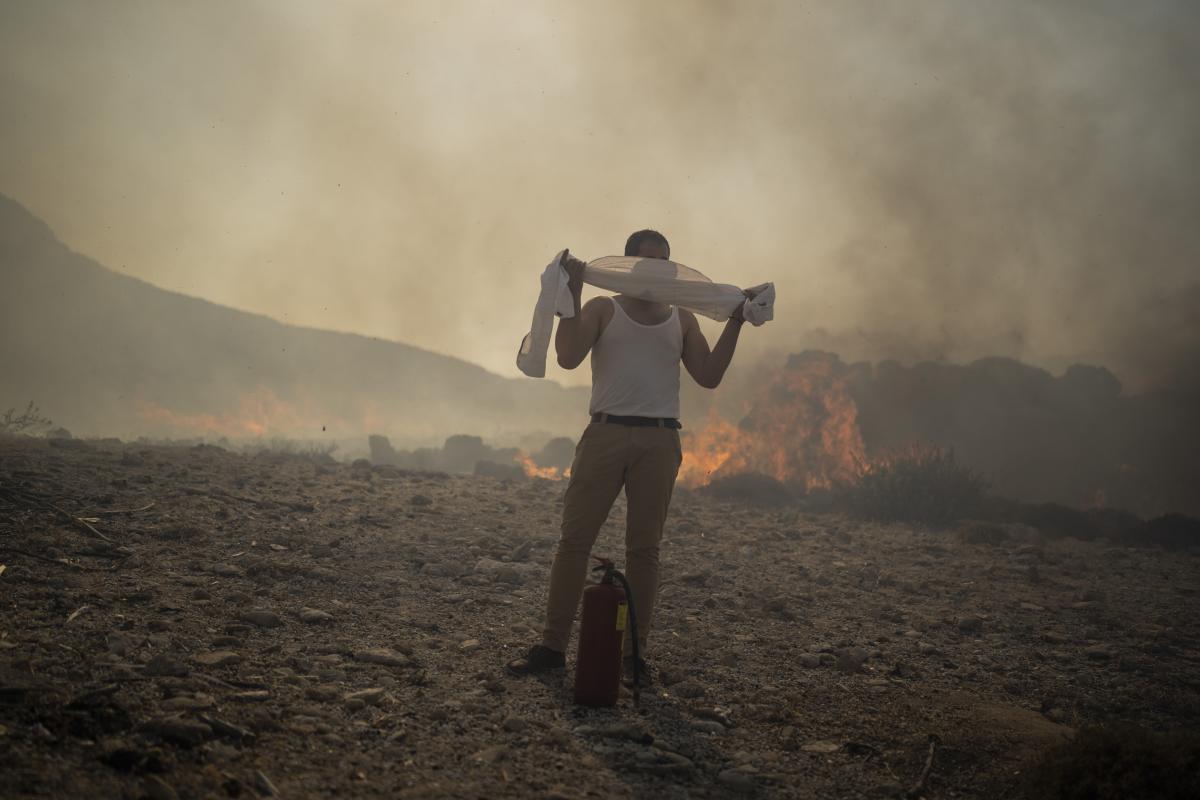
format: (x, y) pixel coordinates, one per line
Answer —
(649, 249)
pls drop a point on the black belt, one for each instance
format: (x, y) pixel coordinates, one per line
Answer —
(638, 422)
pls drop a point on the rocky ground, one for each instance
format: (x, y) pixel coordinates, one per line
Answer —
(189, 622)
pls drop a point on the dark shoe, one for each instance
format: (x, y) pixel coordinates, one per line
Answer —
(539, 659)
(645, 676)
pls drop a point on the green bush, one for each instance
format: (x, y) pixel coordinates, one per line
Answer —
(924, 484)
(1119, 762)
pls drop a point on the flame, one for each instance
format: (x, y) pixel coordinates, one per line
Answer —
(532, 470)
(802, 429)
(259, 413)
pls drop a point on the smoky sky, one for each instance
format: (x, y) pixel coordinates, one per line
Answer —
(942, 180)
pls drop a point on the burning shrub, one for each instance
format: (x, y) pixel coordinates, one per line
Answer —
(925, 484)
(1121, 761)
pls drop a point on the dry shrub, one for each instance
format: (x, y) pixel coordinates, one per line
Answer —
(1119, 762)
(28, 421)
(925, 484)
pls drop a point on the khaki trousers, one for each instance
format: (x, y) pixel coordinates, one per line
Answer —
(643, 460)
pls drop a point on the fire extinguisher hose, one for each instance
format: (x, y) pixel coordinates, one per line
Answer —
(633, 636)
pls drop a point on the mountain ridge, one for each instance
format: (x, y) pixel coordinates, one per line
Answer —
(162, 362)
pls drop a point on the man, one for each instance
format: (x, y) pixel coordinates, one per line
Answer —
(633, 440)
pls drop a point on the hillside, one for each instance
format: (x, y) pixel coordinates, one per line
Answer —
(106, 354)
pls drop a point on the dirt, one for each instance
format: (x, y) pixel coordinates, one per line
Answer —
(191, 622)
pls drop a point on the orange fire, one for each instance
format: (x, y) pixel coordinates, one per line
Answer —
(532, 470)
(259, 413)
(802, 429)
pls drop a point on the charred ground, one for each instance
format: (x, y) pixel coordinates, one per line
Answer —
(327, 629)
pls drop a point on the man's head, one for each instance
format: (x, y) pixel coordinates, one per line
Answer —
(648, 244)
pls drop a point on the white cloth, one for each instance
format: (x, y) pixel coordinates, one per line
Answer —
(652, 279)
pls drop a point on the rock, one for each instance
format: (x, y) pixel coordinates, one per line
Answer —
(821, 747)
(737, 780)
(810, 660)
(158, 789)
(165, 666)
(436, 570)
(1098, 652)
(218, 658)
(688, 689)
(470, 645)
(314, 616)
(252, 696)
(262, 618)
(185, 702)
(227, 570)
(521, 552)
(186, 732)
(850, 660)
(387, 658)
(490, 755)
(515, 725)
(707, 726)
(501, 572)
(368, 697)
(323, 693)
(926, 649)
(969, 624)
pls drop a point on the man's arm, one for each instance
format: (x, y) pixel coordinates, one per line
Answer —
(575, 336)
(707, 367)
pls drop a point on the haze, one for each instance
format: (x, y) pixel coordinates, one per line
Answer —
(941, 180)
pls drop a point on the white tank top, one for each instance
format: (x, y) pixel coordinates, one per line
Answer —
(635, 367)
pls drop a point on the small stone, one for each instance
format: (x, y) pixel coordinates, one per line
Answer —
(368, 697)
(218, 658)
(252, 696)
(165, 666)
(186, 732)
(1098, 652)
(226, 570)
(387, 658)
(1032, 607)
(707, 726)
(810, 660)
(262, 618)
(490, 755)
(821, 747)
(850, 660)
(688, 689)
(314, 616)
(515, 725)
(969, 624)
(926, 649)
(185, 702)
(470, 645)
(201, 594)
(737, 780)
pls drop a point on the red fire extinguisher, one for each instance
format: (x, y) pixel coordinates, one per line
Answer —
(607, 610)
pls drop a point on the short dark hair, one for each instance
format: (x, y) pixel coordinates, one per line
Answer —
(634, 243)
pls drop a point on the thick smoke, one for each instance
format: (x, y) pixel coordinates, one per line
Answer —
(940, 180)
